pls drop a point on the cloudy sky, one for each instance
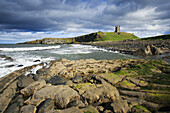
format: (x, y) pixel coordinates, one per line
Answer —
(24, 20)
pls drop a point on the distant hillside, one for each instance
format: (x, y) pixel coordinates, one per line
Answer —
(160, 37)
(92, 37)
(113, 36)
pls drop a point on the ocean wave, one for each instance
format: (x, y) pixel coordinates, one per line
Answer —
(71, 52)
(29, 48)
(24, 60)
(80, 49)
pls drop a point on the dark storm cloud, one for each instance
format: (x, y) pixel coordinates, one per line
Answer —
(83, 16)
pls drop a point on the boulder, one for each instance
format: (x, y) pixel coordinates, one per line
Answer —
(120, 106)
(18, 99)
(90, 109)
(77, 79)
(7, 95)
(83, 87)
(36, 60)
(76, 103)
(32, 88)
(111, 78)
(45, 106)
(12, 65)
(28, 109)
(100, 108)
(7, 80)
(68, 110)
(24, 81)
(3, 56)
(107, 111)
(13, 108)
(31, 75)
(62, 94)
(102, 94)
(20, 65)
(58, 80)
(9, 58)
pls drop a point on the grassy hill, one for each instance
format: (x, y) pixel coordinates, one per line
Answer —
(161, 37)
(113, 36)
(92, 37)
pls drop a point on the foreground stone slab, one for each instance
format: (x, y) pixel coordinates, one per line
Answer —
(28, 109)
(62, 94)
(120, 106)
(32, 88)
(7, 96)
(105, 93)
(68, 110)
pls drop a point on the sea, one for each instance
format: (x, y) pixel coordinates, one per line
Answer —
(24, 55)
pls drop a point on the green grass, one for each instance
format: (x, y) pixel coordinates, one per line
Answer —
(112, 36)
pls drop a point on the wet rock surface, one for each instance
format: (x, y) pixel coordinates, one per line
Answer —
(88, 86)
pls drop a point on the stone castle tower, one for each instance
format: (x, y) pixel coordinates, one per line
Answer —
(117, 29)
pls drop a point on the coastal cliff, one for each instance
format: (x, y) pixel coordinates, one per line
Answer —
(88, 86)
(93, 37)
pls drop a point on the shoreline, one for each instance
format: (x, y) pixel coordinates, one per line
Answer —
(135, 47)
(88, 85)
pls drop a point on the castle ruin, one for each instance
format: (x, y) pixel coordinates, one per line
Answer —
(117, 29)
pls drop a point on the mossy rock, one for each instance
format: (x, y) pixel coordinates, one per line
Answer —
(148, 67)
(140, 109)
(111, 77)
(122, 72)
(84, 85)
(163, 99)
(128, 85)
(90, 109)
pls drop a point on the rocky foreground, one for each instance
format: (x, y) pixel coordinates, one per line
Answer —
(88, 86)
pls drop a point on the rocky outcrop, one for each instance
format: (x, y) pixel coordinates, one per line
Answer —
(28, 109)
(7, 96)
(149, 50)
(136, 47)
(64, 86)
(32, 88)
(6, 58)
